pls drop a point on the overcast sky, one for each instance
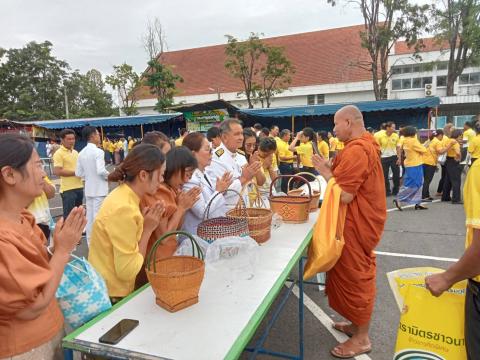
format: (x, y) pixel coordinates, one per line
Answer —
(101, 33)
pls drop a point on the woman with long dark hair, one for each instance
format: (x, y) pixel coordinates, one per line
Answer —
(31, 323)
(121, 229)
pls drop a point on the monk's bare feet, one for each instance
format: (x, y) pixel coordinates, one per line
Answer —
(352, 347)
(347, 328)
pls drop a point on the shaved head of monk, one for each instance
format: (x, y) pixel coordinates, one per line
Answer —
(348, 123)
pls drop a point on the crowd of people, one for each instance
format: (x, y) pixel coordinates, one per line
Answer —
(165, 185)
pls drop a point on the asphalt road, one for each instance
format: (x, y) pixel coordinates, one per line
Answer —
(437, 232)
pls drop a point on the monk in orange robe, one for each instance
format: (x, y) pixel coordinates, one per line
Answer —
(350, 285)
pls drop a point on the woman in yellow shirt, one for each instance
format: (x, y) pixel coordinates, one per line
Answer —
(453, 176)
(474, 144)
(468, 267)
(323, 145)
(121, 231)
(305, 149)
(435, 147)
(411, 191)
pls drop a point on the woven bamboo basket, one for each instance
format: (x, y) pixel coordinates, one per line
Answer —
(315, 194)
(176, 280)
(220, 227)
(292, 209)
(259, 219)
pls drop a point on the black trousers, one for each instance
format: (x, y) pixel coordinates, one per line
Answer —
(71, 199)
(387, 164)
(472, 320)
(442, 179)
(453, 180)
(45, 229)
(285, 169)
(428, 173)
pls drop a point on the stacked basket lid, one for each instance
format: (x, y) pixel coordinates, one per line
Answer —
(176, 280)
(292, 209)
(259, 219)
(223, 226)
(315, 193)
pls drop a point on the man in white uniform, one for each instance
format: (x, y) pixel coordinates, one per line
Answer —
(91, 168)
(226, 158)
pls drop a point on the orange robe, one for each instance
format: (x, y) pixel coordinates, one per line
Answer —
(351, 284)
(24, 271)
(168, 246)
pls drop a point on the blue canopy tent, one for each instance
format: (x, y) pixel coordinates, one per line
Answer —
(320, 117)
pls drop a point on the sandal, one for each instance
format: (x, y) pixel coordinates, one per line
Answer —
(349, 355)
(342, 328)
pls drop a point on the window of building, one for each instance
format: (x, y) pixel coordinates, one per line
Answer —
(440, 122)
(406, 83)
(416, 83)
(463, 79)
(320, 98)
(406, 69)
(396, 70)
(441, 81)
(310, 99)
(396, 84)
(443, 65)
(459, 121)
(426, 80)
(475, 78)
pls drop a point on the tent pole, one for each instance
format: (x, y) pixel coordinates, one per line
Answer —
(293, 125)
(141, 129)
(101, 132)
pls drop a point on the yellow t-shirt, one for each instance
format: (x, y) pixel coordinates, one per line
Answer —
(400, 141)
(379, 134)
(67, 160)
(468, 136)
(305, 150)
(333, 143)
(111, 147)
(431, 156)
(40, 208)
(114, 241)
(105, 145)
(474, 147)
(179, 142)
(413, 151)
(388, 144)
(340, 145)
(282, 151)
(324, 149)
(454, 150)
(130, 144)
(119, 145)
(471, 197)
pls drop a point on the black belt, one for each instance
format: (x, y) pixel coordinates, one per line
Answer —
(474, 287)
(285, 163)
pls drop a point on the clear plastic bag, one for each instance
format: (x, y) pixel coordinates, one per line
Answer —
(185, 247)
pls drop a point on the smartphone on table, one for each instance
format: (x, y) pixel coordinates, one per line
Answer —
(119, 331)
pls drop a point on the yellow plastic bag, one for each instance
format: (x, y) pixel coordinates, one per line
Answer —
(327, 243)
(430, 327)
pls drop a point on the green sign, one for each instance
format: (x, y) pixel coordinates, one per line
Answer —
(204, 120)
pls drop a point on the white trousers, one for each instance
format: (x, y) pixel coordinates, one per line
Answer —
(93, 205)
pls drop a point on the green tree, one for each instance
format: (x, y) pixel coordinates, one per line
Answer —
(275, 75)
(385, 22)
(458, 24)
(125, 80)
(159, 77)
(31, 81)
(243, 62)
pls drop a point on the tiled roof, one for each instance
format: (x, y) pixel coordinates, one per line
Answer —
(319, 57)
(431, 44)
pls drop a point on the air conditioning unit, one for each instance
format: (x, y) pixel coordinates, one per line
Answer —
(429, 90)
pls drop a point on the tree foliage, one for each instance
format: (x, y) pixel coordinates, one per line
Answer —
(33, 84)
(159, 77)
(125, 80)
(458, 24)
(385, 22)
(263, 70)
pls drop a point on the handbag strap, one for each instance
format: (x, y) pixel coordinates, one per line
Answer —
(206, 213)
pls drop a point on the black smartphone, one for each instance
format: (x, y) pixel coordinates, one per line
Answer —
(119, 331)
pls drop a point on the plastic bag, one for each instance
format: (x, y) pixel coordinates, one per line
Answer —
(185, 247)
(237, 254)
(430, 327)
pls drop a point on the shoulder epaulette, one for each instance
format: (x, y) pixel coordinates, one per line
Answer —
(241, 152)
(219, 152)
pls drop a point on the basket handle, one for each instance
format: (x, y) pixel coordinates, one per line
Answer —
(298, 178)
(207, 209)
(258, 202)
(305, 173)
(153, 250)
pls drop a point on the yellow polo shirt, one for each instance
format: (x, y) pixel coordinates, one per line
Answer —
(305, 150)
(111, 146)
(67, 160)
(324, 149)
(454, 150)
(378, 134)
(333, 143)
(114, 250)
(340, 144)
(130, 144)
(474, 147)
(179, 142)
(282, 151)
(431, 156)
(388, 144)
(471, 197)
(468, 135)
(413, 151)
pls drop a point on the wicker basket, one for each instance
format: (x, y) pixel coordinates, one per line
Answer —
(259, 219)
(220, 227)
(175, 280)
(315, 194)
(292, 209)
